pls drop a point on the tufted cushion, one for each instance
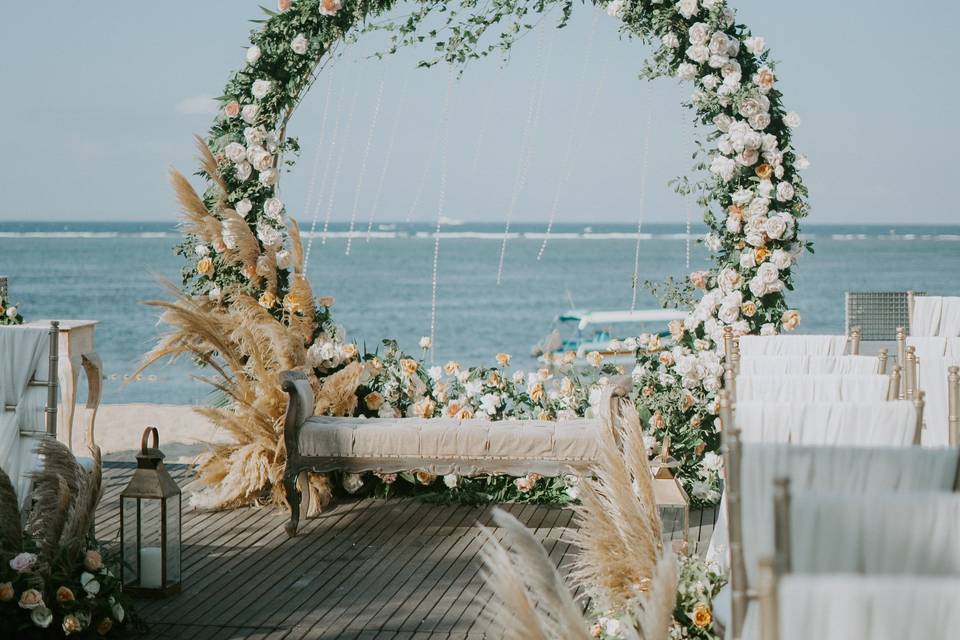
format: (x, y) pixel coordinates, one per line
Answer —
(442, 445)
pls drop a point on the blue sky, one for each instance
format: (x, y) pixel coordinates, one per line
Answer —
(101, 97)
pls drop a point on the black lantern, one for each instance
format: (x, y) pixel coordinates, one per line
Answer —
(150, 525)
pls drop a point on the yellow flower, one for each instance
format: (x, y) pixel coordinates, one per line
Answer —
(536, 392)
(267, 300)
(595, 358)
(327, 301)
(748, 308)
(408, 366)
(423, 477)
(790, 319)
(205, 266)
(452, 367)
(503, 359)
(373, 400)
(764, 171)
(760, 254)
(702, 616)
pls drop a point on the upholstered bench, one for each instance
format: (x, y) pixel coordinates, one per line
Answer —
(436, 445)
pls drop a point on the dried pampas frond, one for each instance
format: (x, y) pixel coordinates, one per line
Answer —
(530, 599)
(619, 534)
(196, 220)
(55, 487)
(81, 518)
(338, 395)
(209, 165)
(296, 245)
(246, 247)
(11, 536)
(654, 608)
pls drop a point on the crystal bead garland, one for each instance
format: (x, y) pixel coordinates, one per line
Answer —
(316, 166)
(643, 196)
(363, 162)
(441, 197)
(336, 171)
(401, 101)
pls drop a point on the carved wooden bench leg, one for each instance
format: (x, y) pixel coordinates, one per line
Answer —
(293, 498)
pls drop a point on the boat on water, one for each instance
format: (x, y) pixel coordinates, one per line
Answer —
(581, 332)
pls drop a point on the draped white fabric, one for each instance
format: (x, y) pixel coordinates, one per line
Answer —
(796, 365)
(936, 316)
(793, 345)
(932, 379)
(812, 388)
(928, 346)
(24, 353)
(887, 423)
(897, 533)
(851, 607)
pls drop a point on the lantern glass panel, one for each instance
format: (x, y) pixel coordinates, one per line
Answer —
(131, 566)
(172, 557)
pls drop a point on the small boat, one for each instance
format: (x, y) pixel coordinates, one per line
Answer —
(581, 332)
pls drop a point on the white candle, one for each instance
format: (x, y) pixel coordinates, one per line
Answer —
(151, 568)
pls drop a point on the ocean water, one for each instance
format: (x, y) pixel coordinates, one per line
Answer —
(105, 271)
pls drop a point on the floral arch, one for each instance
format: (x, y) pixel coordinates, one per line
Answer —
(247, 311)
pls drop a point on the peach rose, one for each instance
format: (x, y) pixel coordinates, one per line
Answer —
(452, 367)
(790, 319)
(453, 408)
(295, 302)
(283, 5)
(765, 78)
(735, 210)
(657, 421)
(666, 358)
(523, 484)
(64, 594)
(330, 7)
(699, 279)
(687, 402)
(249, 272)
(544, 415)
(702, 617)
(408, 366)
(232, 109)
(748, 309)
(326, 301)
(595, 358)
(494, 380)
(424, 477)
(375, 365)
(71, 624)
(465, 414)
(31, 599)
(373, 400)
(503, 359)
(93, 561)
(267, 300)
(388, 478)
(536, 392)
(677, 330)
(568, 357)
(424, 409)
(760, 254)
(6, 592)
(104, 626)
(205, 266)
(567, 387)
(695, 421)
(764, 171)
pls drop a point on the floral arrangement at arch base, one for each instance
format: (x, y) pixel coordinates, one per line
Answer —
(246, 310)
(57, 581)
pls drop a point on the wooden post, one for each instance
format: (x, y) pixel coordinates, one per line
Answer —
(953, 404)
(894, 392)
(52, 375)
(918, 402)
(883, 356)
(738, 570)
(910, 374)
(767, 576)
(855, 341)
(901, 357)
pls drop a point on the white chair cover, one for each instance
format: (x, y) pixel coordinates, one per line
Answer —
(849, 607)
(24, 353)
(792, 345)
(897, 533)
(925, 319)
(886, 423)
(928, 346)
(790, 365)
(812, 388)
(950, 317)
(932, 379)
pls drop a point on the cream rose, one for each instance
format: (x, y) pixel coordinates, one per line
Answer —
(698, 33)
(790, 319)
(775, 227)
(792, 120)
(698, 53)
(253, 54)
(687, 8)
(755, 45)
(249, 113)
(759, 121)
(300, 44)
(30, 599)
(785, 191)
(671, 41)
(71, 624)
(269, 177)
(261, 88)
(686, 71)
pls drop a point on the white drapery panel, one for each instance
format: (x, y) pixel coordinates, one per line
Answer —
(936, 316)
(897, 533)
(812, 388)
(24, 353)
(851, 607)
(793, 345)
(790, 365)
(886, 423)
(932, 379)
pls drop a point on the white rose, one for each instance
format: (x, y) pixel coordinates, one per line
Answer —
(722, 122)
(89, 583)
(768, 273)
(249, 113)
(490, 403)
(728, 314)
(723, 167)
(792, 119)
(41, 617)
(759, 121)
(269, 177)
(261, 160)
(244, 171)
(758, 207)
(719, 43)
(742, 196)
(748, 157)
(283, 259)
(775, 158)
(687, 8)
(781, 259)
(253, 54)
(731, 71)
(724, 146)
(271, 141)
(686, 71)
(802, 163)
(617, 9)
(273, 207)
(118, 612)
(215, 294)
(728, 16)
(757, 287)
(785, 192)
(202, 250)
(717, 61)
(269, 236)
(768, 330)
(699, 33)
(712, 242)
(752, 140)
(254, 135)
(747, 260)
(426, 342)
(243, 207)
(671, 41)
(698, 53)
(755, 45)
(729, 280)
(261, 88)
(352, 482)
(734, 224)
(235, 152)
(300, 44)
(733, 47)
(778, 171)
(710, 82)
(775, 227)
(750, 107)
(764, 188)
(451, 480)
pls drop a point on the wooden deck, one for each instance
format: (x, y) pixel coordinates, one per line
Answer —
(363, 569)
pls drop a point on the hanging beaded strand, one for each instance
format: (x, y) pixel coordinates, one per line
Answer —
(445, 124)
(643, 198)
(401, 101)
(317, 205)
(336, 172)
(363, 162)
